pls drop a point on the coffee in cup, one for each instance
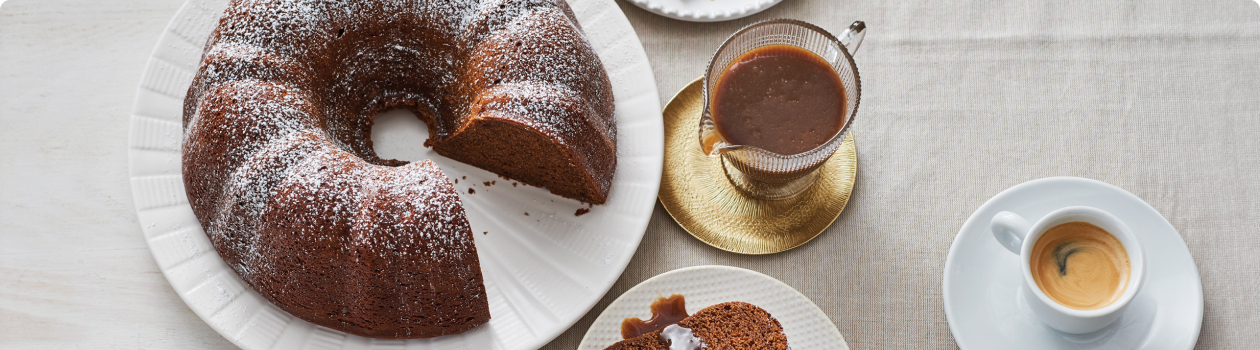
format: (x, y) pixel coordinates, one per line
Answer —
(1080, 265)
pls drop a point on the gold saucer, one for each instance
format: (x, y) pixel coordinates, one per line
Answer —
(696, 193)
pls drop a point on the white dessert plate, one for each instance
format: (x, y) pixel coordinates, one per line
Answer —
(542, 271)
(805, 325)
(985, 306)
(705, 10)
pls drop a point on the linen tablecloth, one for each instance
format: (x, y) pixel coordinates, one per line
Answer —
(960, 100)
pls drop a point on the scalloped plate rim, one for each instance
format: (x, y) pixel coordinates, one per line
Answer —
(588, 341)
(142, 160)
(657, 7)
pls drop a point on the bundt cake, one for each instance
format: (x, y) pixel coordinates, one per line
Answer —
(278, 162)
(727, 326)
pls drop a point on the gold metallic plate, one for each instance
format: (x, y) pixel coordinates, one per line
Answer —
(695, 191)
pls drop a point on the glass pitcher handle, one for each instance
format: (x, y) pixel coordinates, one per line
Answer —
(852, 37)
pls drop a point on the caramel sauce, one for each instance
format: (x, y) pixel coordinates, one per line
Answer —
(780, 98)
(665, 312)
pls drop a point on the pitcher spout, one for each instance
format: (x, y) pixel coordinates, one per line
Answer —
(711, 142)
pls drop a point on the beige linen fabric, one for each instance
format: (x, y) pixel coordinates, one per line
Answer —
(961, 100)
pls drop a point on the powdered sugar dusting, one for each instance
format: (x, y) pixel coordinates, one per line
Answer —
(279, 166)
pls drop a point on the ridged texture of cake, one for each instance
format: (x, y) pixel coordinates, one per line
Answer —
(727, 326)
(279, 167)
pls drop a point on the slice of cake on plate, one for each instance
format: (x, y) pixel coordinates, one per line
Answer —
(731, 325)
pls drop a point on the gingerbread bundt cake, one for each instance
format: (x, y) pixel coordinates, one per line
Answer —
(727, 326)
(279, 167)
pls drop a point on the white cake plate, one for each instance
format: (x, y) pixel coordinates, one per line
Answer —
(542, 271)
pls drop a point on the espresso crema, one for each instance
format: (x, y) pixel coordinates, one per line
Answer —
(1080, 266)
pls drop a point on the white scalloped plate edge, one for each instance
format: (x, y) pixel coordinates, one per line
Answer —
(592, 250)
(701, 11)
(806, 326)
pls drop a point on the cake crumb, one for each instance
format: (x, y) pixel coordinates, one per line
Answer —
(471, 191)
(513, 184)
(464, 177)
(485, 232)
(526, 213)
(487, 183)
(456, 181)
(493, 181)
(581, 211)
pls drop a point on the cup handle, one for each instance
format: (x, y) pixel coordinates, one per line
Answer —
(852, 37)
(1010, 229)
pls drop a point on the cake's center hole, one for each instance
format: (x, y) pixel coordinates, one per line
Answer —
(398, 134)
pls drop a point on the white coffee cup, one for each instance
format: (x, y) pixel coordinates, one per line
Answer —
(1018, 236)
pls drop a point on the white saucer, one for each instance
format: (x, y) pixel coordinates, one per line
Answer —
(805, 325)
(986, 309)
(704, 10)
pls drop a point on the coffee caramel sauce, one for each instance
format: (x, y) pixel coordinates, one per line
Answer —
(1080, 266)
(665, 312)
(780, 98)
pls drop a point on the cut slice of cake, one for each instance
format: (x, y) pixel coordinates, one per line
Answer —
(727, 326)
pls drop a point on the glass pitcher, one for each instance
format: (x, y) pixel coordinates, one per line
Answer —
(760, 173)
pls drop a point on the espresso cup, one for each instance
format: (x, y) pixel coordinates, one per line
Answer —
(1064, 313)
